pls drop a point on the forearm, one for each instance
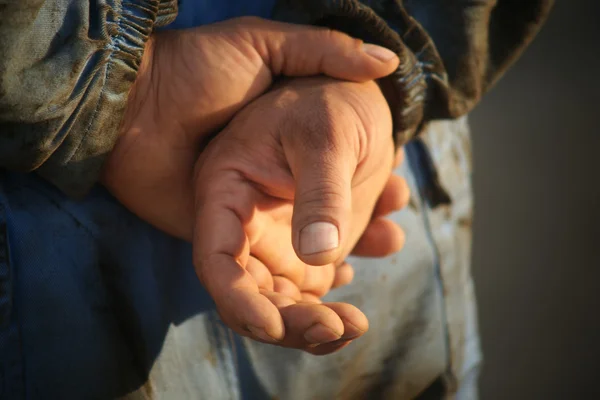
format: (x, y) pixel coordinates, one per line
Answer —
(65, 75)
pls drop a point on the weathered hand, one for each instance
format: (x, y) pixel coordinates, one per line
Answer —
(307, 162)
(192, 82)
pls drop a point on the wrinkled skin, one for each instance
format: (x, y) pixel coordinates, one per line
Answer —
(255, 191)
(191, 83)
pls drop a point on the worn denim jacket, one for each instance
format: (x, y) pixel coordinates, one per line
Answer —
(96, 304)
(66, 66)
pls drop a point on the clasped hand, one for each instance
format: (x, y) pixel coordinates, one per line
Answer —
(295, 180)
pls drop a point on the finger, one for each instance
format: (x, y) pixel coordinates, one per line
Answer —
(395, 196)
(286, 287)
(279, 300)
(260, 273)
(381, 238)
(243, 308)
(275, 250)
(319, 222)
(296, 50)
(221, 252)
(307, 323)
(318, 280)
(319, 328)
(355, 322)
(311, 298)
(322, 166)
(285, 263)
(310, 324)
(343, 275)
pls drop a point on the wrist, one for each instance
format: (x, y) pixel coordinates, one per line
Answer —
(138, 99)
(140, 95)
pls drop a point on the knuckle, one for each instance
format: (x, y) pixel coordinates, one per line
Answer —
(322, 123)
(334, 36)
(326, 195)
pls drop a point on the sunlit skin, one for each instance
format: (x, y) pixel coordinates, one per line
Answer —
(190, 84)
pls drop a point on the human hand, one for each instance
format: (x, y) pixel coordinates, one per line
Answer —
(306, 161)
(191, 82)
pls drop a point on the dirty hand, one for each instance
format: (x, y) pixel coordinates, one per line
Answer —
(293, 180)
(192, 82)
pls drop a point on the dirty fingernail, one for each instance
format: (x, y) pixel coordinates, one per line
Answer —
(378, 52)
(318, 237)
(261, 334)
(319, 333)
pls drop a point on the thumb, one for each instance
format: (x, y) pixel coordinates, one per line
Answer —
(322, 202)
(297, 50)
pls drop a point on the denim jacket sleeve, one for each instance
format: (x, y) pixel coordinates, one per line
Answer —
(451, 51)
(66, 67)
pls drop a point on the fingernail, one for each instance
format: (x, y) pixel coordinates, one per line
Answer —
(318, 237)
(261, 334)
(380, 53)
(319, 333)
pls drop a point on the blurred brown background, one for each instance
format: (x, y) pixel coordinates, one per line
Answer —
(537, 220)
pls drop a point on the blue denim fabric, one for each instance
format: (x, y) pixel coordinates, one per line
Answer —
(89, 293)
(87, 286)
(66, 68)
(90, 286)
